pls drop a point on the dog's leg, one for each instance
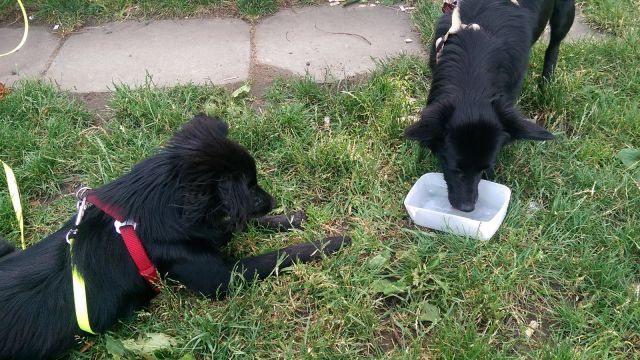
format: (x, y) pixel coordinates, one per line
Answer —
(281, 222)
(205, 273)
(560, 23)
(5, 248)
(210, 275)
(263, 265)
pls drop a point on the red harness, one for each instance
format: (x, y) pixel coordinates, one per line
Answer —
(448, 6)
(127, 229)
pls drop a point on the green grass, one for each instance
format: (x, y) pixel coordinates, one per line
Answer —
(73, 14)
(254, 8)
(566, 256)
(619, 17)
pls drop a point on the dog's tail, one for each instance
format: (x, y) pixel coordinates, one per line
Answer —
(5, 247)
(264, 265)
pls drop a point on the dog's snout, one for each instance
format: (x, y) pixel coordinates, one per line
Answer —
(464, 203)
(466, 207)
(263, 202)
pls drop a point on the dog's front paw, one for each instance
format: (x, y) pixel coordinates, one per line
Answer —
(283, 222)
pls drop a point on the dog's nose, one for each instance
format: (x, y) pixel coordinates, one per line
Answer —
(466, 207)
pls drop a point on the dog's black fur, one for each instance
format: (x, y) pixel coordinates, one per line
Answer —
(470, 111)
(187, 200)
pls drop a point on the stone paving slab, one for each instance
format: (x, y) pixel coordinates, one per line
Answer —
(172, 52)
(314, 40)
(31, 60)
(342, 40)
(579, 30)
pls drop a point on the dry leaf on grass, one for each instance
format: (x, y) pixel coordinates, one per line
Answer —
(149, 343)
(4, 91)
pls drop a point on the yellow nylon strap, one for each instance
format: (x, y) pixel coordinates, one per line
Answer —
(80, 296)
(15, 199)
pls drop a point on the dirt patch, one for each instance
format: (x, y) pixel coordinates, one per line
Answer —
(390, 337)
(262, 76)
(97, 103)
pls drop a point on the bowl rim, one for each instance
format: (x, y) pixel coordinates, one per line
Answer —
(503, 188)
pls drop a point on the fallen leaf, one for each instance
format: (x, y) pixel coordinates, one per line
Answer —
(212, 110)
(149, 343)
(87, 345)
(327, 123)
(378, 261)
(242, 90)
(4, 91)
(629, 157)
(433, 263)
(387, 287)
(114, 346)
(428, 312)
(533, 326)
(529, 332)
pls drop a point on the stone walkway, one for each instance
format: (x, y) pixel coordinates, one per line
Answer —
(316, 40)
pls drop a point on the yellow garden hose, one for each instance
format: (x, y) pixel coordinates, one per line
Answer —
(26, 30)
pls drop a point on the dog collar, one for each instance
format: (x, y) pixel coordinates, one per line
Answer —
(127, 229)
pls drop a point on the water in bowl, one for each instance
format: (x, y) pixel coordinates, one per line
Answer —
(436, 199)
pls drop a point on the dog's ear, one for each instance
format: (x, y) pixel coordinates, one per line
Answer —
(519, 127)
(216, 124)
(430, 130)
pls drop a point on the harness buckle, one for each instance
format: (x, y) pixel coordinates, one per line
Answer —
(81, 204)
(70, 234)
(118, 224)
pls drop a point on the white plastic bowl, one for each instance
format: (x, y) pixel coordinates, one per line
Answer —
(428, 205)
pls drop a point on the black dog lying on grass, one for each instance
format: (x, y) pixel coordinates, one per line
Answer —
(478, 61)
(186, 201)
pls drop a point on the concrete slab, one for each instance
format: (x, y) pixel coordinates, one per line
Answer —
(172, 52)
(342, 40)
(579, 30)
(31, 60)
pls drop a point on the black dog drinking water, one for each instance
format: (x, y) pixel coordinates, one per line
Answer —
(478, 60)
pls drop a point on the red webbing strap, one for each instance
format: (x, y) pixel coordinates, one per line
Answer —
(447, 7)
(146, 269)
(106, 208)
